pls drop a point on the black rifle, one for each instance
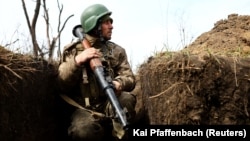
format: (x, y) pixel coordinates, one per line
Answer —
(98, 70)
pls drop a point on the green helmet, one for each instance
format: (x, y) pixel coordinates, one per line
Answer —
(91, 15)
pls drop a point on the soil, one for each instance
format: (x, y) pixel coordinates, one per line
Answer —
(205, 83)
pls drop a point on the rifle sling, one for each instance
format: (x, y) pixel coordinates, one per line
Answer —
(73, 103)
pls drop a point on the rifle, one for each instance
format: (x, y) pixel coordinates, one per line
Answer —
(98, 69)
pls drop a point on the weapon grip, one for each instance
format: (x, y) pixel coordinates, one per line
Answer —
(78, 32)
(94, 62)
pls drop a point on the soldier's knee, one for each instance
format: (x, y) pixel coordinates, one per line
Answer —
(93, 132)
(128, 101)
(83, 127)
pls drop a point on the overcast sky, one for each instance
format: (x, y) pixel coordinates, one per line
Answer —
(142, 27)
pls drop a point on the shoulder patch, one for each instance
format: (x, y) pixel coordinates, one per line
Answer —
(69, 49)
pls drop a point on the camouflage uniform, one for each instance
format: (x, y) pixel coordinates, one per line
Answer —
(90, 95)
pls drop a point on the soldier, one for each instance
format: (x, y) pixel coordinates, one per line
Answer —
(75, 73)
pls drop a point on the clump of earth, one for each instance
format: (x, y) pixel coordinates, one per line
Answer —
(205, 83)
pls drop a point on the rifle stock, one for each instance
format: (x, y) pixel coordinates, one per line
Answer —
(98, 69)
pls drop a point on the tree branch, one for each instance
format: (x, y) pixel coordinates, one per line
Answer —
(32, 26)
(46, 18)
(26, 15)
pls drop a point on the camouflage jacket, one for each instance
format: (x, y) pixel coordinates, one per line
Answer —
(114, 60)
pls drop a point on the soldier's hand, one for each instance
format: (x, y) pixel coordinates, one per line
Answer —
(118, 88)
(86, 55)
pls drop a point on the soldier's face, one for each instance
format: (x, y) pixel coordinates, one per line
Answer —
(107, 28)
